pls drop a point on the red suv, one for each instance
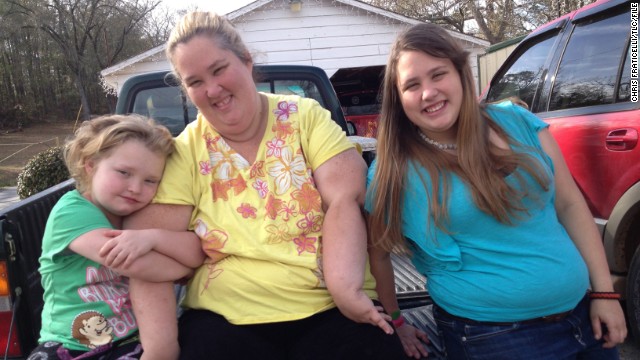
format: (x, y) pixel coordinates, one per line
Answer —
(576, 74)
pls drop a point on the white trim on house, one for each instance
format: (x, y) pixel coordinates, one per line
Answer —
(247, 9)
(121, 65)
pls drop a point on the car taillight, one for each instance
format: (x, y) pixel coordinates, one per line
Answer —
(9, 344)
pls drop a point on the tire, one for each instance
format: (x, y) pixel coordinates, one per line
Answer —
(633, 297)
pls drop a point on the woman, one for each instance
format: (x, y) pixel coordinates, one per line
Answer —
(490, 213)
(274, 190)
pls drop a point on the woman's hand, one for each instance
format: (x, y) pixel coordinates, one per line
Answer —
(412, 340)
(360, 308)
(608, 312)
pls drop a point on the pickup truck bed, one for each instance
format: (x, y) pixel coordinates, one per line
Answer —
(157, 95)
(21, 229)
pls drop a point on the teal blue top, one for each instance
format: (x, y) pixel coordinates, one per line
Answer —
(483, 269)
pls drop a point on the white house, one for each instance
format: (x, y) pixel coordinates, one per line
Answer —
(330, 34)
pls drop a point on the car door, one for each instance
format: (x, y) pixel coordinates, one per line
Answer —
(576, 77)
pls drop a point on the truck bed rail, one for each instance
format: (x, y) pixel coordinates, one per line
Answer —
(26, 220)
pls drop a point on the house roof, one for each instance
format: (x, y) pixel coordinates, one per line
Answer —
(158, 50)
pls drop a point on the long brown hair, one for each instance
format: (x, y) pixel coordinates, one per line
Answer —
(479, 163)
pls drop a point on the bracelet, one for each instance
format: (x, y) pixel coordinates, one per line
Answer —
(396, 319)
(398, 322)
(607, 295)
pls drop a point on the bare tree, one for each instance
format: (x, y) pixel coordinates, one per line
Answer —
(493, 20)
(119, 21)
(30, 69)
(450, 14)
(87, 31)
(159, 24)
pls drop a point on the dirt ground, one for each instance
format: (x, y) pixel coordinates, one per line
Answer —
(17, 147)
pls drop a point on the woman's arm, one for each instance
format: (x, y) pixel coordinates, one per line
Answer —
(575, 216)
(341, 183)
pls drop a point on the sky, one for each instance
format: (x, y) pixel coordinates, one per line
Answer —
(219, 6)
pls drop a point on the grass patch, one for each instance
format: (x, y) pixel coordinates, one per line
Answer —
(9, 175)
(17, 147)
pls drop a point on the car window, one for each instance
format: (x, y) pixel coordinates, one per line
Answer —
(522, 78)
(302, 88)
(589, 67)
(164, 104)
(624, 91)
(364, 102)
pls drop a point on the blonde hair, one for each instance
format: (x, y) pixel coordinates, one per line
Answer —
(211, 25)
(479, 163)
(95, 139)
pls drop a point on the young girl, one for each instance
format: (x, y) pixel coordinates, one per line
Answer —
(117, 162)
(484, 201)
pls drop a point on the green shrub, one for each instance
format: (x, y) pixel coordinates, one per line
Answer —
(43, 171)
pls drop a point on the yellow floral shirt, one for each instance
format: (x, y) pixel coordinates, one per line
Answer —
(260, 223)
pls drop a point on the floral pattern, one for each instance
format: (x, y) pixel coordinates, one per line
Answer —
(281, 178)
(247, 211)
(305, 243)
(213, 241)
(284, 110)
(289, 171)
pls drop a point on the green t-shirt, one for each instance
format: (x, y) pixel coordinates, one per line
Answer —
(85, 304)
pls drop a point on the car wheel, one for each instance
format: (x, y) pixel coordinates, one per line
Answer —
(633, 297)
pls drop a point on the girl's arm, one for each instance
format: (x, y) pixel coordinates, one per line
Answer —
(152, 266)
(185, 247)
(575, 216)
(382, 271)
(127, 245)
(341, 183)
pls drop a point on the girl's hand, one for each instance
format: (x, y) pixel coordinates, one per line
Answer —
(609, 313)
(125, 246)
(412, 340)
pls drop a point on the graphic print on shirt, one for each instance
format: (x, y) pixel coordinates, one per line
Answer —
(93, 328)
(281, 184)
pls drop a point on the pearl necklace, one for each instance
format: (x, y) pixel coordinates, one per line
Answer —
(437, 144)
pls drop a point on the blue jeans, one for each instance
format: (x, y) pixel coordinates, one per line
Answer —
(569, 338)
